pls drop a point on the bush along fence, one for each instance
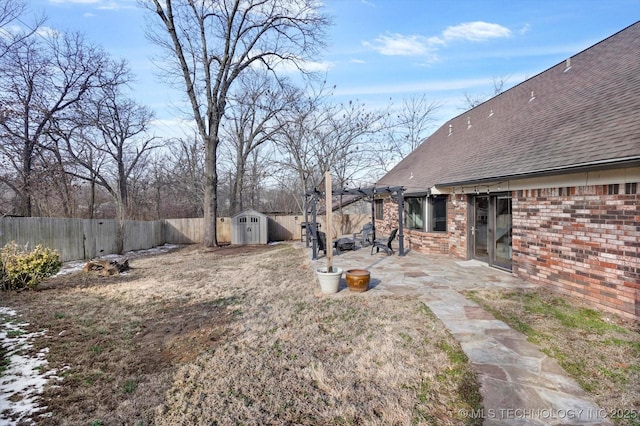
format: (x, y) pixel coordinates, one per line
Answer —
(76, 239)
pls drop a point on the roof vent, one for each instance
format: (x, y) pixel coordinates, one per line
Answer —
(532, 96)
(567, 65)
(450, 129)
(491, 113)
(468, 123)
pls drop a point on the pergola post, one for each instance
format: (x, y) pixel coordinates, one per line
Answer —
(315, 226)
(400, 223)
(373, 214)
(306, 220)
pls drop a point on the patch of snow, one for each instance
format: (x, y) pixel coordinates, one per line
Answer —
(23, 380)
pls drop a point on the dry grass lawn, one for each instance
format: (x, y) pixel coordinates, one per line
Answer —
(230, 337)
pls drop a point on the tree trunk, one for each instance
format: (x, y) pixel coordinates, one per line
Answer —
(92, 196)
(237, 185)
(120, 232)
(210, 193)
(25, 196)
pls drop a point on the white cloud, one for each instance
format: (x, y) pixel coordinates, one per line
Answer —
(395, 44)
(357, 61)
(99, 4)
(475, 31)
(413, 86)
(292, 65)
(400, 45)
(74, 1)
(47, 32)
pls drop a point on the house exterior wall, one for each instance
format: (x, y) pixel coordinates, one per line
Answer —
(453, 242)
(578, 240)
(584, 244)
(390, 214)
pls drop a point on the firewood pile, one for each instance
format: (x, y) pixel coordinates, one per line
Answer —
(105, 267)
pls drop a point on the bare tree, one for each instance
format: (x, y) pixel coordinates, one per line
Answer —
(12, 29)
(318, 136)
(472, 101)
(407, 128)
(210, 44)
(40, 79)
(116, 132)
(181, 174)
(251, 123)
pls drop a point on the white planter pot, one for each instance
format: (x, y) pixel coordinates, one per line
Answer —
(329, 281)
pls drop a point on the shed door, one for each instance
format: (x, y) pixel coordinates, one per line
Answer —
(249, 230)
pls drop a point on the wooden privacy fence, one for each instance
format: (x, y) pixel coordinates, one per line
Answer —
(80, 238)
(89, 238)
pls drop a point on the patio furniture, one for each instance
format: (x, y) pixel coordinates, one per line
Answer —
(343, 244)
(319, 236)
(322, 242)
(384, 243)
(364, 236)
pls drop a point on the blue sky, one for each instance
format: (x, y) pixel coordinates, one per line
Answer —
(382, 50)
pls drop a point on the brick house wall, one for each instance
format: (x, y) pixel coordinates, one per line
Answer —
(390, 217)
(453, 242)
(579, 241)
(582, 242)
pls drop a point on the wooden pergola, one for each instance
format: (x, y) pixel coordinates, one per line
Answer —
(313, 196)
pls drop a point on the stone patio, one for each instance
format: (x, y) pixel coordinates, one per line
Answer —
(519, 384)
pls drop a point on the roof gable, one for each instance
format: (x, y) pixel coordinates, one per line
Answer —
(581, 112)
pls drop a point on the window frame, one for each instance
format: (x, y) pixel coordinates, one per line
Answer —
(378, 205)
(409, 223)
(427, 210)
(442, 219)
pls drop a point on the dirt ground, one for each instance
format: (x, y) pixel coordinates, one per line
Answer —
(239, 336)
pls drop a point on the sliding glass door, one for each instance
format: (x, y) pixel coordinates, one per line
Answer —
(490, 229)
(480, 229)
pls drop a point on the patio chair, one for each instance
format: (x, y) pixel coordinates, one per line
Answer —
(364, 236)
(319, 236)
(322, 242)
(384, 243)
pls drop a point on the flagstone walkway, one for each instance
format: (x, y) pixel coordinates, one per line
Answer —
(519, 384)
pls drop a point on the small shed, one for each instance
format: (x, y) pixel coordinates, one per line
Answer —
(249, 227)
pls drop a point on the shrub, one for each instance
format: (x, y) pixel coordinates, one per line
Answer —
(20, 268)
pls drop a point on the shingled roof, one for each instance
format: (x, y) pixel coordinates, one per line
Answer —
(582, 113)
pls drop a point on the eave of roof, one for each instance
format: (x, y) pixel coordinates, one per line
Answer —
(573, 168)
